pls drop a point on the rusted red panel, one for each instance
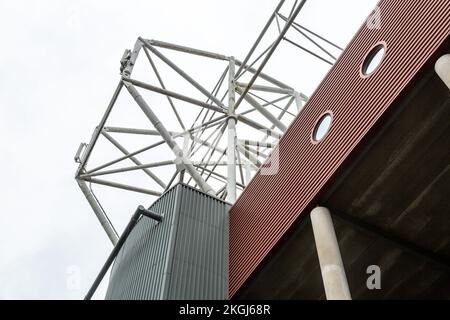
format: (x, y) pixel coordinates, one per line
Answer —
(412, 30)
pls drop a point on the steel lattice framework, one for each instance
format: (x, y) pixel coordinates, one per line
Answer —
(237, 125)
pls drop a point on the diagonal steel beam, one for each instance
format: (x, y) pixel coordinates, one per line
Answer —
(218, 161)
(182, 73)
(260, 36)
(214, 148)
(98, 129)
(185, 162)
(132, 158)
(308, 51)
(269, 116)
(258, 126)
(209, 145)
(315, 34)
(197, 52)
(267, 88)
(266, 105)
(262, 54)
(310, 39)
(135, 131)
(271, 51)
(122, 186)
(101, 215)
(264, 76)
(280, 116)
(214, 92)
(127, 169)
(161, 82)
(208, 124)
(126, 156)
(171, 180)
(172, 94)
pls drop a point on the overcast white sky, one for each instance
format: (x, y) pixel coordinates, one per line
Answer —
(59, 62)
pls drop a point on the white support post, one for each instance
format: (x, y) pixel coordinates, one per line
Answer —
(231, 150)
(442, 68)
(101, 215)
(331, 265)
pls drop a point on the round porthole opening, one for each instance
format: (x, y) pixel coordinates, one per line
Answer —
(322, 127)
(373, 59)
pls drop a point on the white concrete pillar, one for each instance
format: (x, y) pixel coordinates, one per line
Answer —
(442, 68)
(332, 268)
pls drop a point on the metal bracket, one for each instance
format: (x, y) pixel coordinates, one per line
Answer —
(125, 60)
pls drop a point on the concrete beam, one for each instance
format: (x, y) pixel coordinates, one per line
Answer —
(411, 248)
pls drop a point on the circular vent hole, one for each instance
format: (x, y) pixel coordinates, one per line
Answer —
(373, 59)
(322, 127)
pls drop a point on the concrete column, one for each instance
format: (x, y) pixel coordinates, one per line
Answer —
(332, 268)
(442, 68)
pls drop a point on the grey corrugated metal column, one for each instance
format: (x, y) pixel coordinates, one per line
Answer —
(442, 68)
(331, 265)
(168, 138)
(231, 150)
(171, 244)
(183, 257)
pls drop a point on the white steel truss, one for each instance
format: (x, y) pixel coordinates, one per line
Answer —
(217, 151)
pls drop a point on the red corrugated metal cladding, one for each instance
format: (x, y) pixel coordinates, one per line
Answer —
(412, 31)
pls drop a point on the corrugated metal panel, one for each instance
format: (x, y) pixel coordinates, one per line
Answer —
(139, 267)
(412, 31)
(183, 257)
(200, 263)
